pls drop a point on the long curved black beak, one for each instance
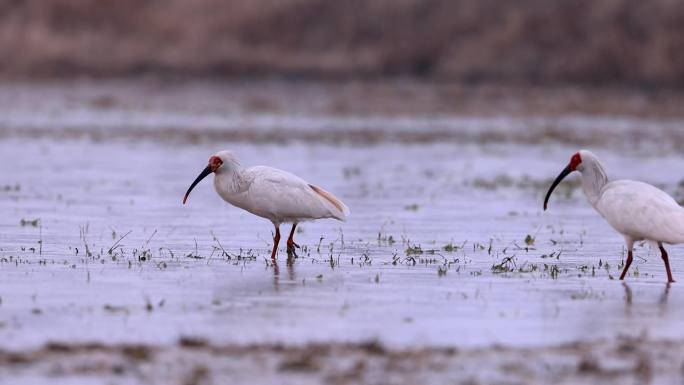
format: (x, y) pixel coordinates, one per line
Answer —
(566, 171)
(201, 176)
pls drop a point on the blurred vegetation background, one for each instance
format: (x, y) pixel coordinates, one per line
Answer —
(625, 42)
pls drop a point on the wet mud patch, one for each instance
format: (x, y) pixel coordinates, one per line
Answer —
(619, 361)
(373, 113)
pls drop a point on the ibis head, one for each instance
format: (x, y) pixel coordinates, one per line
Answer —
(574, 165)
(215, 162)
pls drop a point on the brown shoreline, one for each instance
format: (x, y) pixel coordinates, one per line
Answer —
(606, 362)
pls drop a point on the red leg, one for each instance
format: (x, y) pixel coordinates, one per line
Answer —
(291, 245)
(276, 241)
(627, 264)
(663, 253)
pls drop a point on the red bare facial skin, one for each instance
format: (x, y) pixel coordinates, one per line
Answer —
(575, 161)
(214, 163)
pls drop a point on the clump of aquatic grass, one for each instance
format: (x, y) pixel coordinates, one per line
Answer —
(411, 207)
(450, 247)
(506, 265)
(414, 250)
(30, 222)
(9, 188)
(529, 240)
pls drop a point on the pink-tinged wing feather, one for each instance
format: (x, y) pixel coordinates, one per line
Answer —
(341, 207)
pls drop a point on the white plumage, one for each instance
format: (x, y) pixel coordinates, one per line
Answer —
(270, 193)
(642, 212)
(276, 195)
(637, 210)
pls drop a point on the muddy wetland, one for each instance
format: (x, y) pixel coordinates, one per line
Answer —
(447, 263)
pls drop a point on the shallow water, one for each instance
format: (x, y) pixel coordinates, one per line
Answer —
(389, 274)
(371, 290)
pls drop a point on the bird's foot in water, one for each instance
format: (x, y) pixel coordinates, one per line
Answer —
(292, 249)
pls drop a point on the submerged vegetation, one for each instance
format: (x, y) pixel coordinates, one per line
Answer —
(505, 258)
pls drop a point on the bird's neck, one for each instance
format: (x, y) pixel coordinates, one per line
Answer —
(230, 182)
(594, 179)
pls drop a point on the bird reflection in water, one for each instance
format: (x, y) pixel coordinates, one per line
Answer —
(276, 271)
(662, 301)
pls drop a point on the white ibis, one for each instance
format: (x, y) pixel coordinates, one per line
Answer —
(637, 210)
(270, 193)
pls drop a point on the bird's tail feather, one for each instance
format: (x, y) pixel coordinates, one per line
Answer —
(339, 209)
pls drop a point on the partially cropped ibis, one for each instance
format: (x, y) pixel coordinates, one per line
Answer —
(637, 210)
(270, 193)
